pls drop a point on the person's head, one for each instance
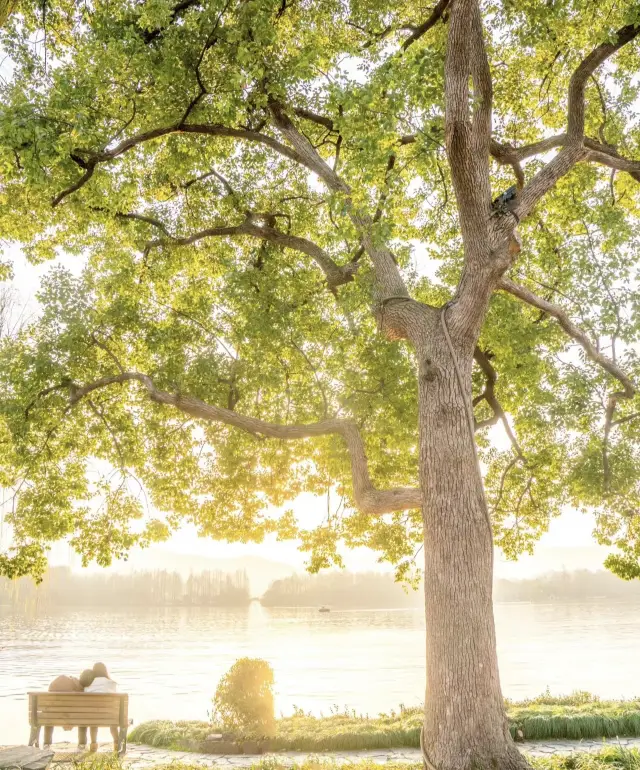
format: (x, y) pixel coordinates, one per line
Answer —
(99, 669)
(87, 677)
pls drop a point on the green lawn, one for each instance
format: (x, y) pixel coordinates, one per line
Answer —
(577, 716)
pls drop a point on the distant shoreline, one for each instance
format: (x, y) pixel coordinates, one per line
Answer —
(339, 591)
(552, 601)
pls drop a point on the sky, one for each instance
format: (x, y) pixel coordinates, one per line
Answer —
(568, 543)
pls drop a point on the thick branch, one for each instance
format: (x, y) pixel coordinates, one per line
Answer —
(539, 148)
(150, 35)
(489, 395)
(482, 92)
(598, 152)
(336, 275)
(573, 144)
(573, 331)
(327, 122)
(75, 186)
(506, 155)
(385, 267)
(421, 30)
(303, 147)
(258, 226)
(314, 117)
(467, 141)
(628, 418)
(575, 121)
(547, 177)
(368, 499)
(468, 144)
(89, 159)
(609, 157)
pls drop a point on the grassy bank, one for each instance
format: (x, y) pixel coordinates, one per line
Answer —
(575, 717)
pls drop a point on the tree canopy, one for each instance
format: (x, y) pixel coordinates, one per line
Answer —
(226, 284)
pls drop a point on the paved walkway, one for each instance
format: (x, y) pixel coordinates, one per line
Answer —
(144, 757)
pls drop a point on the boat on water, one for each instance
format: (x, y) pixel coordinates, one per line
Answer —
(324, 609)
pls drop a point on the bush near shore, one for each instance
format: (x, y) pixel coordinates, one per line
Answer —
(574, 717)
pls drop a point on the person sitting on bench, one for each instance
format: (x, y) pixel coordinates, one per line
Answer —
(102, 683)
(70, 684)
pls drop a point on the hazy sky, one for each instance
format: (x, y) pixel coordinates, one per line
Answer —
(567, 544)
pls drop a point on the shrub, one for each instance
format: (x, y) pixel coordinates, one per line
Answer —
(244, 699)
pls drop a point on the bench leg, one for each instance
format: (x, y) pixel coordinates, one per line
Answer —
(122, 742)
(34, 738)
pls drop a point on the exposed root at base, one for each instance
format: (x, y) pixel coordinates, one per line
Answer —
(509, 759)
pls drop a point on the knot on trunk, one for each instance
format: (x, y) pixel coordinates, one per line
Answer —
(429, 371)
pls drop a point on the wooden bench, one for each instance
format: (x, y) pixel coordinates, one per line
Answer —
(74, 709)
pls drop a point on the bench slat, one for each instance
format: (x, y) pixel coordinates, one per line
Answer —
(106, 713)
(73, 704)
(78, 722)
(79, 697)
(62, 694)
(72, 709)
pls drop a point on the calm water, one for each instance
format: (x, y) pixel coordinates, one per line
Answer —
(170, 660)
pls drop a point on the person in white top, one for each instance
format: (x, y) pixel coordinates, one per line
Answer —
(102, 683)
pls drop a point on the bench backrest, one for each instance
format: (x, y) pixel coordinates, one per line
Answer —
(73, 709)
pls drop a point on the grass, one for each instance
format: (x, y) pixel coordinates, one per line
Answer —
(575, 717)
(609, 759)
(613, 758)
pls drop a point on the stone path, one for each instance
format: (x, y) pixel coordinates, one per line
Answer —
(144, 757)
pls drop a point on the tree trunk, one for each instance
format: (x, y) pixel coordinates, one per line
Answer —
(465, 725)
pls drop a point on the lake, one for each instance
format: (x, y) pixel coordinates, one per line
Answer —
(170, 660)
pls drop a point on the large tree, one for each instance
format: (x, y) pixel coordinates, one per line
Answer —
(323, 244)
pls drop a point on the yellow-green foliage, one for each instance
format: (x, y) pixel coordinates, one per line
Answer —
(6, 9)
(577, 716)
(244, 699)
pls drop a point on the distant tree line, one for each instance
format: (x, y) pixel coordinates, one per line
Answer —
(344, 590)
(160, 588)
(567, 586)
(341, 590)
(338, 590)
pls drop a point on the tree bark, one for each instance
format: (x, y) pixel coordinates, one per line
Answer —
(465, 726)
